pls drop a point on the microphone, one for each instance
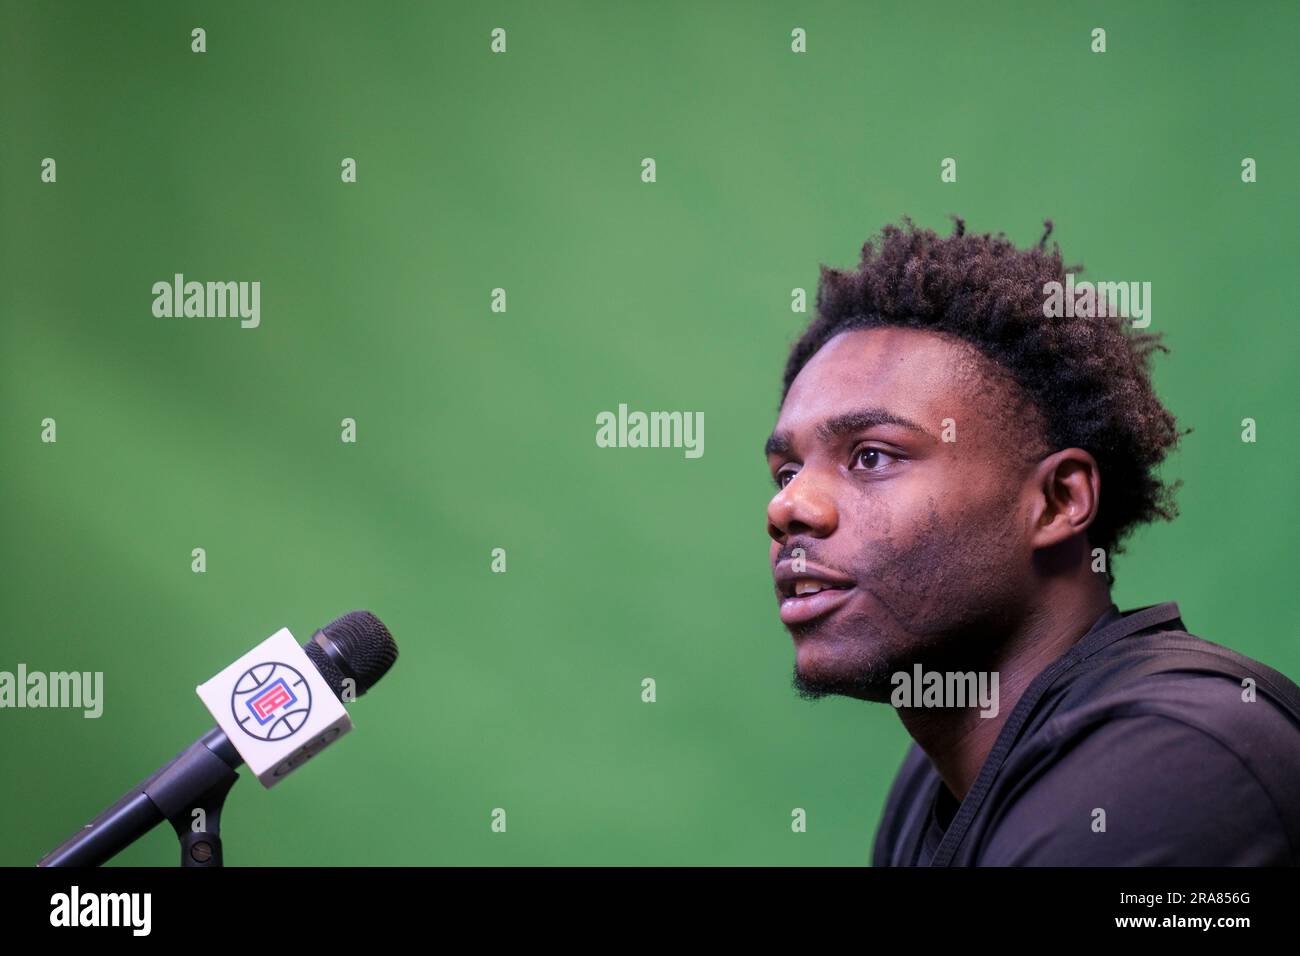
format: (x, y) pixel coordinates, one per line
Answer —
(267, 717)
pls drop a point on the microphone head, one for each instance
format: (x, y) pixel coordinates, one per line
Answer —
(354, 648)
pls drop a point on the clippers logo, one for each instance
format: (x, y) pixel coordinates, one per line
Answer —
(271, 701)
(265, 704)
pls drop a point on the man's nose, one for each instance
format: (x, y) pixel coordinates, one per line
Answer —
(803, 507)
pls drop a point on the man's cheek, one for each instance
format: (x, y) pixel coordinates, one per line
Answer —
(872, 523)
(909, 574)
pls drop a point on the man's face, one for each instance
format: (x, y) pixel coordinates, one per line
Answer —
(919, 544)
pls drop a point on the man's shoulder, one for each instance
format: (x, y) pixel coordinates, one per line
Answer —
(1181, 676)
(1151, 789)
(1202, 695)
(1169, 736)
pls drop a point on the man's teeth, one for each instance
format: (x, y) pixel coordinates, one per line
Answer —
(805, 586)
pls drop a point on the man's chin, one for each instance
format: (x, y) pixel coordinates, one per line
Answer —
(818, 683)
(828, 662)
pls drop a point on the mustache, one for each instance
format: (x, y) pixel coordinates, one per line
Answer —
(802, 549)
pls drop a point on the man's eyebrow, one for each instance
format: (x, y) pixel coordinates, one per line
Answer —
(866, 418)
(780, 443)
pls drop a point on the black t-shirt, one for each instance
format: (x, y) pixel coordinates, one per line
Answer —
(1140, 746)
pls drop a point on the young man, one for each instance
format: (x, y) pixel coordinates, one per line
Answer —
(955, 472)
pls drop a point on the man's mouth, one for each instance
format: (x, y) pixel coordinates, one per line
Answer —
(811, 586)
(806, 599)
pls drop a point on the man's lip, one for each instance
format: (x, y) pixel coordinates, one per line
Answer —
(808, 607)
(785, 576)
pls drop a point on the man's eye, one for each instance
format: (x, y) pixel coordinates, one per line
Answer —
(784, 477)
(872, 459)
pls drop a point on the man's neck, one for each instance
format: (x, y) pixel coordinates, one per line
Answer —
(958, 740)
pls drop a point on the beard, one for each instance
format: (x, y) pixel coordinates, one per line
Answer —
(855, 657)
(848, 659)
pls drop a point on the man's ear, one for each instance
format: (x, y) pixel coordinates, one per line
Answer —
(1067, 489)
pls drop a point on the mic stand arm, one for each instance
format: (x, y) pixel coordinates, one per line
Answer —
(197, 779)
(199, 835)
(202, 847)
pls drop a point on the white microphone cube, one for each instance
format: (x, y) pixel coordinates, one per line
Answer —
(275, 707)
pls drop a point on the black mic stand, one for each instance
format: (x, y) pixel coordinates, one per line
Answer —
(197, 779)
(202, 848)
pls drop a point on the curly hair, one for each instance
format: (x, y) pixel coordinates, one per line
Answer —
(1089, 378)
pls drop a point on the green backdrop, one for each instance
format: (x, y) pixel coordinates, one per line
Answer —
(475, 429)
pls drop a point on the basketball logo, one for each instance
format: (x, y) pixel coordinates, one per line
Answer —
(271, 701)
